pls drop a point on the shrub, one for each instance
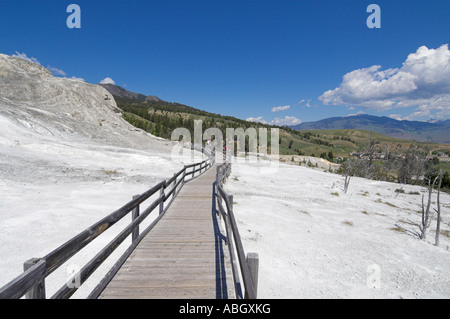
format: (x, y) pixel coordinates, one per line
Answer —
(445, 233)
(389, 204)
(110, 172)
(398, 229)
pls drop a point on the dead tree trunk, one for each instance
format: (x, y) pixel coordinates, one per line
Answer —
(346, 182)
(438, 211)
(426, 216)
(349, 168)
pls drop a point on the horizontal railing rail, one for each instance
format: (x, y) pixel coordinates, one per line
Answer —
(248, 265)
(32, 281)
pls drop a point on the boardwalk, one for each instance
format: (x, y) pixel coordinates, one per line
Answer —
(184, 256)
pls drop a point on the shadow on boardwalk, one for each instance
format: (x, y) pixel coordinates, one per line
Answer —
(221, 274)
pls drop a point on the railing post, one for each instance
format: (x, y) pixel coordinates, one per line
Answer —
(174, 186)
(214, 203)
(219, 197)
(161, 193)
(252, 260)
(183, 177)
(38, 291)
(230, 199)
(217, 173)
(134, 215)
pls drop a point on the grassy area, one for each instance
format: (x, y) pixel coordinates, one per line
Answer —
(444, 166)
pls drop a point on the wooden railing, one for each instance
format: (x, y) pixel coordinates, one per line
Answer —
(248, 265)
(32, 281)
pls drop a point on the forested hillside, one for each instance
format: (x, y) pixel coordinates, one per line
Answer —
(160, 118)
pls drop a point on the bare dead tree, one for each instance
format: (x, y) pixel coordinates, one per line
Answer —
(348, 169)
(406, 167)
(387, 162)
(438, 210)
(367, 167)
(420, 167)
(426, 215)
(398, 191)
(370, 148)
(346, 182)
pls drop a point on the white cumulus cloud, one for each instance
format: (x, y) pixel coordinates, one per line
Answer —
(258, 119)
(423, 81)
(56, 71)
(23, 56)
(307, 104)
(280, 108)
(77, 79)
(107, 80)
(286, 121)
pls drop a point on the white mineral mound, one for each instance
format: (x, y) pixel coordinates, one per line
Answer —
(67, 159)
(31, 97)
(316, 241)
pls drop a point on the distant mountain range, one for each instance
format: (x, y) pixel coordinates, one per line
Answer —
(123, 96)
(121, 92)
(437, 132)
(433, 131)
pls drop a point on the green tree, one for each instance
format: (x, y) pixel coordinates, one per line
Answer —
(330, 155)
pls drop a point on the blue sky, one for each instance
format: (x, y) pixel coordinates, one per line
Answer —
(276, 61)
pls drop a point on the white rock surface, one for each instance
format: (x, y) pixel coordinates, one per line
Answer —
(315, 241)
(63, 108)
(67, 159)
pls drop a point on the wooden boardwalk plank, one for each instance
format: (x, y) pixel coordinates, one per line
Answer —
(183, 256)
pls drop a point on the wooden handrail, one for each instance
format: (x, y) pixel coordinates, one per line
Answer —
(66, 291)
(249, 276)
(33, 278)
(24, 282)
(61, 254)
